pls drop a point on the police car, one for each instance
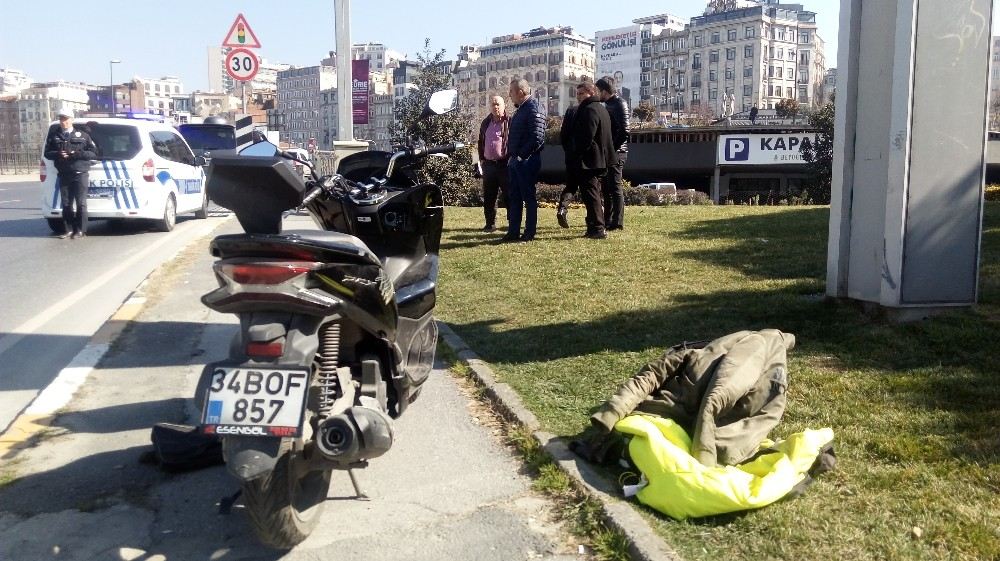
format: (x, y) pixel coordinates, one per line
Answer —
(145, 170)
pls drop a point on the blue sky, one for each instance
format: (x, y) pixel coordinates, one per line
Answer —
(171, 37)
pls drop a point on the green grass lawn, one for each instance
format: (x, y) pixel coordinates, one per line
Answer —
(915, 408)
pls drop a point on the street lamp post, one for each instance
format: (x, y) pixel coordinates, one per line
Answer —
(111, 72)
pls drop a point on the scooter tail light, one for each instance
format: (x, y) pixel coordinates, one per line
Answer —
(266, 350)
(43, 172)
(149, 170)
(273, 272)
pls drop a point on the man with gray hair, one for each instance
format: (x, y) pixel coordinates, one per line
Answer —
(524, 147)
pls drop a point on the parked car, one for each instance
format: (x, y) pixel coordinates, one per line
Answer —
(144, 170)
(208, 138)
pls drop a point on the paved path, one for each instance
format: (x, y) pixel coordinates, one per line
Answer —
(447, 490)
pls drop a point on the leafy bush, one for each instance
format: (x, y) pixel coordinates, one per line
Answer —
(993, 192)
(548, 194)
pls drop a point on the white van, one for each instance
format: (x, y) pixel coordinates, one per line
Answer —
(144, 170)
(664, 191)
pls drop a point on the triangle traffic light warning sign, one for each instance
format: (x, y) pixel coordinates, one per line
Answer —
(240, 35)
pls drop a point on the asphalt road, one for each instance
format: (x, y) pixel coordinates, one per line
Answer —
(448, 489)
(54, 294)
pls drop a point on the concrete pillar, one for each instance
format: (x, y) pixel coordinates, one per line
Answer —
(345, 119)
(714, 193)
(909, 154)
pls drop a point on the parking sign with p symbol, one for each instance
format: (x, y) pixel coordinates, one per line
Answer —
(737, 149)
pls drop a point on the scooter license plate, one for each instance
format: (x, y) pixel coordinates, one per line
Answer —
(255, 401)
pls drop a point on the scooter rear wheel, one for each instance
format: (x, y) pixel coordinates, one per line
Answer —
(284, 509)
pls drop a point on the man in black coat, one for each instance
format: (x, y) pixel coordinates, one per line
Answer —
(572, 183)
(72, 150)
(614, 196)
(593, 154)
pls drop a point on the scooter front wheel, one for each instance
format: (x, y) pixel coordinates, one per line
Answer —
(283, 508)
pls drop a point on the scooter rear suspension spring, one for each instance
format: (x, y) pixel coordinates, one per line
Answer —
(326, 376)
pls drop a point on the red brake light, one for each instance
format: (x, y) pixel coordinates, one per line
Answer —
(269, 350)
(265, 273)
(42, 172)
(148, 170)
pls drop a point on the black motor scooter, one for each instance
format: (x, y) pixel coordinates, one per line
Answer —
(336, 330)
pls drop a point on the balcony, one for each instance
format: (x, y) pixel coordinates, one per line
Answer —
(695, 66)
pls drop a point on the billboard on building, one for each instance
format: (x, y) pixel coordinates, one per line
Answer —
(360, 84)
(762, 149)
(619, 54)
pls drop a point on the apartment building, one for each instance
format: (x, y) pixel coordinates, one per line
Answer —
(159, 93)
(380, 118)
(37, 106)
(553, 60)
(13, 81)
(10, 125)
(760, 52)
(299, 100)
(625, 54)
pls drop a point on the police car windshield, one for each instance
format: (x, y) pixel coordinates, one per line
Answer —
(209, 137)
(114, 142)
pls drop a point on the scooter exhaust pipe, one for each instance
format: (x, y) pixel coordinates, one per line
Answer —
(360, 433)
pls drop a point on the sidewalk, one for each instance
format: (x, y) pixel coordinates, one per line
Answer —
(447, 490)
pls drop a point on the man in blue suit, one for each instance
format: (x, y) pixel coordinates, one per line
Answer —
(524, 147)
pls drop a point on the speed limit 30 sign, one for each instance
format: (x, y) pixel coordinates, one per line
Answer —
(242, 64)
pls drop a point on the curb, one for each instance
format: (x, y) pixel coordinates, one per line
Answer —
(644, 544)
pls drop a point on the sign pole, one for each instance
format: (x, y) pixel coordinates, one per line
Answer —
(345, 117)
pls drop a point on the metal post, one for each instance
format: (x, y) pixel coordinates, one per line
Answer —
(111, 72)
(345, 122)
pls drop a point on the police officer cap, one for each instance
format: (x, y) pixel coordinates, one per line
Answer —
(64, 113)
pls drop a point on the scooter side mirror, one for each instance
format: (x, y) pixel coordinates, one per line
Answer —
(261, 149)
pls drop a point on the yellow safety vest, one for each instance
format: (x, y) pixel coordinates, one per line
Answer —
(681, 487)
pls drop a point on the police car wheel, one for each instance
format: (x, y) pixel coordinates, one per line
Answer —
(56, 225)
(166, 223)
(203, 211)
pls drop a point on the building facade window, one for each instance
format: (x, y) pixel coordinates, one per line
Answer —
(748, 51)
(715, 37)
(731, 35)
(731, 54)
(749, 32)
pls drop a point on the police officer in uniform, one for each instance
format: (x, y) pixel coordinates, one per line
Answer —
(72, 150)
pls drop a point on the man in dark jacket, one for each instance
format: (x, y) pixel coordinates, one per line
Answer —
(71, 150)
(572, 183)
(524, 147)
(493, 134)
(614, 197)
(593, 154)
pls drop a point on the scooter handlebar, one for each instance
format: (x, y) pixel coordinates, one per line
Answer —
(438, 149)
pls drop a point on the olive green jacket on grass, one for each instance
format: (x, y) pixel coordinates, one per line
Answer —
(728, 395)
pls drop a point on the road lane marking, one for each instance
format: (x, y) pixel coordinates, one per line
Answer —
(40, 412)
(14, 201)
(27, 328)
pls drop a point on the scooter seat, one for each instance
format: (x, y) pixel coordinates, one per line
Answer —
(242, 245)
(332, 240)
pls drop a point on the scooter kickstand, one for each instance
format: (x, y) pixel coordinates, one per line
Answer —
(362, 496)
